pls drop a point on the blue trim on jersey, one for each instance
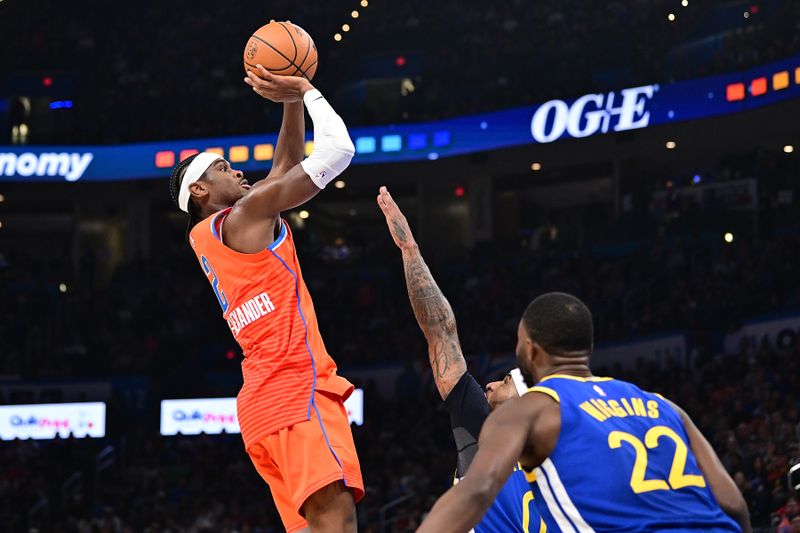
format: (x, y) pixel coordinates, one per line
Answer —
(280, 239)
(214, 231)
(328, 442)
(305, 326)
(311, 402)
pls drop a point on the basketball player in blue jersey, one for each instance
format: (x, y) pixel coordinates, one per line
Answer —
(607, 456)
(513, 510)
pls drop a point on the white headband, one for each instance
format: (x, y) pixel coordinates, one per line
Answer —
(519, 381)
(196, 168)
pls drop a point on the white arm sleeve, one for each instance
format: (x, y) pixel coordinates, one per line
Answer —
(333, 148)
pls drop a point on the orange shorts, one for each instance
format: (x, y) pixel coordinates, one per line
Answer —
(301, 459)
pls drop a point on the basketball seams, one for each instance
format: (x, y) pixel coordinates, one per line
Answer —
(309, 68)
(299, 67)
(274, 71)
(291, 38)
(308, 50)
(256, 37)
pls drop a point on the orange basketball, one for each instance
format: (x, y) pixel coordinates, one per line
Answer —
(282, 48)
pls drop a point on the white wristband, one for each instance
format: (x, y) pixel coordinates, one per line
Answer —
(333, 149)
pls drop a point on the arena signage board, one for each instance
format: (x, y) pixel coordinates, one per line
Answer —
(213, 416)
(590, 114)
(202, 415)
(658, 350)
(51, 420)
(67, 165)
(593, 113)
(781, 332)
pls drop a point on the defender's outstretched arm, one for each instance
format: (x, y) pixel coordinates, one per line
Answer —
(432, 310)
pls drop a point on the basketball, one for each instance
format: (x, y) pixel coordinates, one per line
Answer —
(282, 48)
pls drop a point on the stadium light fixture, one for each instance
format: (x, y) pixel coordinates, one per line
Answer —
(671, 17)
(728, 237)
(337, 37)
(671, 145)
(304, 214)
(536, 167)
(354, 14)
(339, 184)
(788, 149)
(345, 27)
(364, 3)
(2, 198)
(62, 288)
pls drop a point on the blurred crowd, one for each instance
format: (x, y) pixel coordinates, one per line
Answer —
(154, 71)
(157, 316)
(746, 403)
(174, 71)
(661, 267)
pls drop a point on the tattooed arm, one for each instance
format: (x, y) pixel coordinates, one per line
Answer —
(433, 311)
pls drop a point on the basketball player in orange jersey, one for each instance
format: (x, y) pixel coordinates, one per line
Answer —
(291, 405)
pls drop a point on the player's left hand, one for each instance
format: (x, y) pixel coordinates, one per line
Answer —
(277, 88)
(398, 225)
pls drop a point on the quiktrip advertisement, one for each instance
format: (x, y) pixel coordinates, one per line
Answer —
(52, 420)
(213, 416)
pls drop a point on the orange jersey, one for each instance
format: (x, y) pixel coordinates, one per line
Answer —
(269, 311)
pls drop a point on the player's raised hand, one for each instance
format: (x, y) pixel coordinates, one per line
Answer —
(277, 88)
(398, 225)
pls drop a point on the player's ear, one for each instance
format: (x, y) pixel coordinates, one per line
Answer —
(198, 189)
(536, 352)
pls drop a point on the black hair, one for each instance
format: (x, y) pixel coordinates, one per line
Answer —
(561, 324)
(175, 180)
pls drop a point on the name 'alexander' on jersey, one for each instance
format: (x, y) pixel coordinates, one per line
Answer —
(256, 308)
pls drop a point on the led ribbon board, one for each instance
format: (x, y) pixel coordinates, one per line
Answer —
(51, 420)
(590, 114)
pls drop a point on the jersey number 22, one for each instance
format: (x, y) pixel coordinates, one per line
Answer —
(678, 479)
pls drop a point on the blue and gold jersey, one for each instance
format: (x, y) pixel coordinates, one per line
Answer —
(513, 510)
(622, 463)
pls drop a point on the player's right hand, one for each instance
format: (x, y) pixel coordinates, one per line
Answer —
(277, 88)
(398, 225)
